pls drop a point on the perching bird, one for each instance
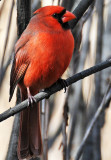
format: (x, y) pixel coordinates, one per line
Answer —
(42, 54)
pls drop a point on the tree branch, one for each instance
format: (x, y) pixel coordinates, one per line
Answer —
(64, 125)
(105, 102)
(80, 10)
(57, 87)
(7, 34)
(2, 68)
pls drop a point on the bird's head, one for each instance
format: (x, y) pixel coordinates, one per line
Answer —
(56, 16)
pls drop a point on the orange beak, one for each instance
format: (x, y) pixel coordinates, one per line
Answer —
(68, 16)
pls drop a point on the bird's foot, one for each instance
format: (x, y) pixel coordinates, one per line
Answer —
(31, 99)
(63, 83)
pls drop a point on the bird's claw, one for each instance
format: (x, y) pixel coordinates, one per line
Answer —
(31, 101)
(63, 83)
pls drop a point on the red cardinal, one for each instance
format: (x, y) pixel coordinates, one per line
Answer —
(42, 54)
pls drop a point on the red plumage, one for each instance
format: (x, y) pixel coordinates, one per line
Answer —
(42, 54)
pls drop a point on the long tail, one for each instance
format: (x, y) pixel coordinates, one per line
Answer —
(29, 142)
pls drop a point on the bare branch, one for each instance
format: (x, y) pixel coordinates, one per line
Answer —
(68, 5)
(45, 121)
(57, 87)
(105, 102)
(89, 71)
(2, 71)
(53, 138)
(96, 134)
(80, 10)
(23, 15)
(23, 18)
(12, 149)
(76, 107)
(7, 35)
(64, 125)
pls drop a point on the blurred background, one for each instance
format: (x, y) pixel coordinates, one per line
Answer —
(92, 45)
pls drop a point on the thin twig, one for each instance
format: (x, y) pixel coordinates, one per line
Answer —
(12, 149)
(105, 102)
(53, 138)
(80, 10)
(25, 7)
(57, 87)
(68, 4)
(77, 89)
(45, 120)
(43, 111)
(4, 69)
(96, 133)
(46, 131)
(59, 2)
(7, 35)
(64, 125)
(89, 12)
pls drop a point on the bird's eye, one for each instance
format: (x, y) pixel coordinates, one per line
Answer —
(55, 15)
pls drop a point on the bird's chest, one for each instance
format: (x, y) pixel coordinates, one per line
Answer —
(55, 50)
(50, 59)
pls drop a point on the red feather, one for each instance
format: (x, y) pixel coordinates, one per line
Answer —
(42, 54)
